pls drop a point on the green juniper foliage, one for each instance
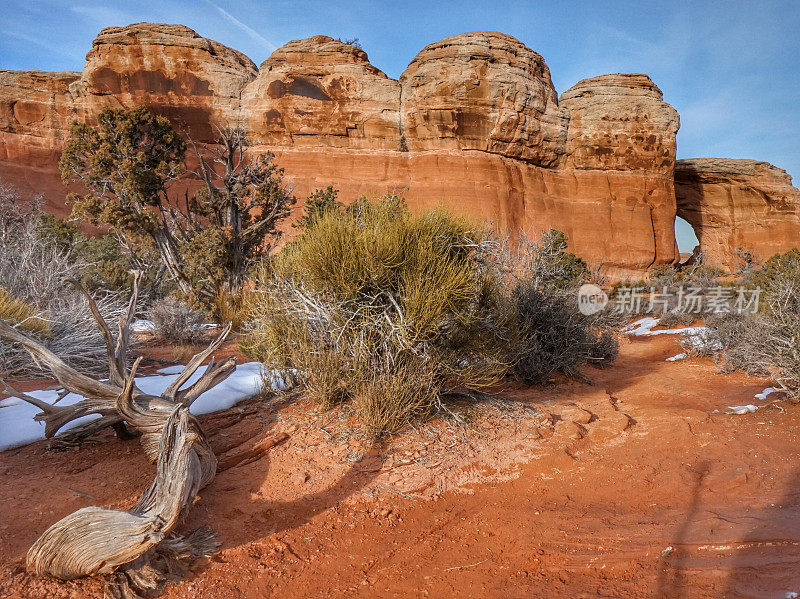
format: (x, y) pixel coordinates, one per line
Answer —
(206, 240)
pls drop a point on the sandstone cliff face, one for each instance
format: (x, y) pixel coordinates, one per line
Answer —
(738, 204)
(34, 108)
(621, 145)
(473, 123)
(171, 69)
(620, 122)
(321, 92)
(482, 91)
(35, 111)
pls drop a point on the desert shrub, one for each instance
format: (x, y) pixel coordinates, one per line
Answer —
(389, 311)
(351, 41)
(546, 263)
(698, 274)
(553, 334)
(32, 273)
(677, 318)
(176, 321)
(369, 294)
(556, 337)
(105, 264)
(766, 342)
(395, 393)
(319, 203)
(232, 307)
(773, 276)
(21, 315)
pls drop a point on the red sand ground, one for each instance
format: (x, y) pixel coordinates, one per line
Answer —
(632, 487)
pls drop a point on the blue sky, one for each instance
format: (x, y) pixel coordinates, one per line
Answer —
(731, 69)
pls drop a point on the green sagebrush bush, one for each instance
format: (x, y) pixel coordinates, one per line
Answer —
(390, 311)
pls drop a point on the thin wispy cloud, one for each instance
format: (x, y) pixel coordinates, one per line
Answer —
(246, 28)
(105, 16)
(32, 39)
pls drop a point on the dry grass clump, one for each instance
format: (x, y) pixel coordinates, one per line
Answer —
(33, 272)
(21, 315)
(232, 307)
(176, 321)
(389, 312)
(766, 343)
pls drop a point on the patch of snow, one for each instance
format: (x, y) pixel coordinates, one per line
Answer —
(695, 337)
(17, 426)
(177, 369)
(675, 358)
(143, 326)
(700, 338)
(644, 328)
(748, 409)
(763, 395)
(641, 327)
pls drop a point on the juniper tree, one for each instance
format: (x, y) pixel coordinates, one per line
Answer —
(234, 218)
(127, 163)
(208, 238)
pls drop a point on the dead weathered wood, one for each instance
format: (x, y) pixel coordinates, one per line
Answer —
(256, 452)
(94, 540)
(138, 548)
(100, 397)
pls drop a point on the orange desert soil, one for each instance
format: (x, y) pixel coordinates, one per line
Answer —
(636, 486)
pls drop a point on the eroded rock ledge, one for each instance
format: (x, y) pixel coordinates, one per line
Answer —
(474, 122)
(735, 204)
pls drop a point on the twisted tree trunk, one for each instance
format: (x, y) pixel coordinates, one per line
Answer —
(136, 547)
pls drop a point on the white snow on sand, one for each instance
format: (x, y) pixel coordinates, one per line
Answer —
(17, 426)
(766, 392)
(696, 337)
(748, 409)
(644, 328)
(143, 326)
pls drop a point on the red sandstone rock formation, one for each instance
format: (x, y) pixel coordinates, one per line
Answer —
(188, 78)
(482, 91)
(320, 92)
(738, 204)
(474, 123)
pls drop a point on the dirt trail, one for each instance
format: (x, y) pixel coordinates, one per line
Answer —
(636, 486)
